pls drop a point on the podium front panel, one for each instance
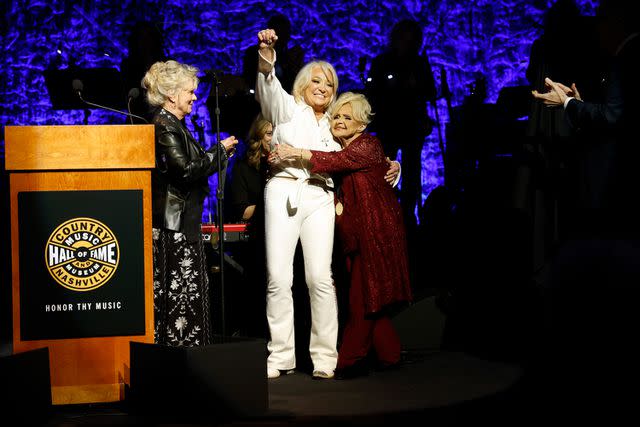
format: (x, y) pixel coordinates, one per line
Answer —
(96, 225)
(81, 265)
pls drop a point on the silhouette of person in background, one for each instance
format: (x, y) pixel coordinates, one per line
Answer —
(146, 47)
(290, 59)
(399, 87)
(564, 29)
(557, 152)
(593, 287)
(401, 83)
(545, 184)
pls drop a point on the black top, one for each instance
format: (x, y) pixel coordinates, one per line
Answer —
(180, 180)
(245, 188)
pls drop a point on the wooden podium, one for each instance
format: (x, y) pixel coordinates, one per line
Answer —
(71, 187)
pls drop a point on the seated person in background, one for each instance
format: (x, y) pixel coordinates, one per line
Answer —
(371, 231)
(245, 202)
(246, 187)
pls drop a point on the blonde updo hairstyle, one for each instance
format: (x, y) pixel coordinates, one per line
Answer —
(303, 80)
(165, 79)
(361, 109)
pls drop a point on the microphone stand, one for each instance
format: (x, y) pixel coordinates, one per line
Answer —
(445, 93)
(220, 208)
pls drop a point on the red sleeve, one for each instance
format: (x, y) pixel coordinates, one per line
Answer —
(363, 153)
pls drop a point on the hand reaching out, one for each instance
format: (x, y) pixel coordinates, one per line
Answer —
(557, 93)
(283, 152)
(392, 172)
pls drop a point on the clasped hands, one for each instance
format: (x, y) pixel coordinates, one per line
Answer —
(283, 152)
(556, 94)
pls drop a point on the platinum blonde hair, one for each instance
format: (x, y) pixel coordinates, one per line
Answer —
(165, 79)
(303, 79)
(361, 109)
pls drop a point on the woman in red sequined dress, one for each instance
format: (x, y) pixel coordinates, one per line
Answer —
(372, 234)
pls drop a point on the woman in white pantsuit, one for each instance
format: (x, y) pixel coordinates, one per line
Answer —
(299, 205)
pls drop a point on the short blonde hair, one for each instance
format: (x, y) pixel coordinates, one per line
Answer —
(361, 109)
(303, 79)
(165, 79)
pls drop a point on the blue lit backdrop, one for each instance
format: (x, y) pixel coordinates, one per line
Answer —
(466, 38)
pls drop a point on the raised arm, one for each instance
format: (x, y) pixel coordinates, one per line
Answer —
(266, 52)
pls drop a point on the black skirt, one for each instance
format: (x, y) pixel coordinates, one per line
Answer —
(180, 291)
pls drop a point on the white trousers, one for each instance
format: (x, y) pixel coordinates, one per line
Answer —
(313, 223)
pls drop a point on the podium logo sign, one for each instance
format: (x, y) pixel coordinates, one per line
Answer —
(82, 254)
(81, 257)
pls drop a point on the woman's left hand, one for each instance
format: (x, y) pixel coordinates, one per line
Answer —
(392, 172)
(229, 144)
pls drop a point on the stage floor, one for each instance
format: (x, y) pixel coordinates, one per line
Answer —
(434, 388)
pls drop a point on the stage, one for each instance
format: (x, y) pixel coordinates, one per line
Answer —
(434, 388)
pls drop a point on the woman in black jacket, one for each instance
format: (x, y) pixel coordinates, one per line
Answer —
(180, 185)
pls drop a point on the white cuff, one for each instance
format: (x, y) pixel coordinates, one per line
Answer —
(566, 101)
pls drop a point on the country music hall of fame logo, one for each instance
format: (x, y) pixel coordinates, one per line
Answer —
(82, 254)
(88, 278)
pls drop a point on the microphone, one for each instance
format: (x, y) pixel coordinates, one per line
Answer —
(134, 93)
(78, 87)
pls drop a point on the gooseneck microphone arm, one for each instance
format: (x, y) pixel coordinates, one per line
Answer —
(78, 87)
(134, 93)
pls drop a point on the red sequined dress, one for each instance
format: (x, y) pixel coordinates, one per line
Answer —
(370, 226)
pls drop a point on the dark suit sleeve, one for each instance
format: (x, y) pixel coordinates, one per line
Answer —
(599, 116)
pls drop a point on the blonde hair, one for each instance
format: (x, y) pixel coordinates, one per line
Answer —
(361, 109)
(165, 79)
(303, 79)
(254, 140)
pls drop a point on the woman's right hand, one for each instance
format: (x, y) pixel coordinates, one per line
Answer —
(267, 38)
(266, 53)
